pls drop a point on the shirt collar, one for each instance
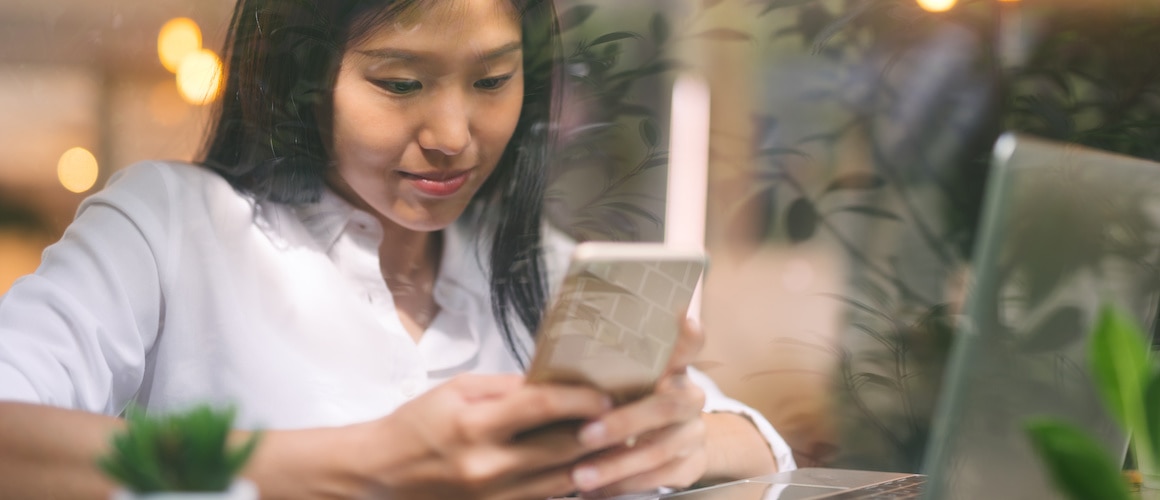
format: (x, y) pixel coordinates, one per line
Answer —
(325, 219)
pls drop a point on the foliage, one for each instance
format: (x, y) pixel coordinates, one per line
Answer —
(599, 105)
(920, 98)
(186, 451)
(618, 70)
(1078, 465)
(1130, 385)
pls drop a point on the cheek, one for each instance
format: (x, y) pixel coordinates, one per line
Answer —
(364, 128)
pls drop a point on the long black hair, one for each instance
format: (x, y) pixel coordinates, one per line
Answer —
(272, 128)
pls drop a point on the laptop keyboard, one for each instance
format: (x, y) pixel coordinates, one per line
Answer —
(901, 488)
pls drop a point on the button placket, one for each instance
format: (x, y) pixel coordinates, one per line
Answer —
(411, 388)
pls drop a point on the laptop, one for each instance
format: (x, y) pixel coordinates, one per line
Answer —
(1064, 230)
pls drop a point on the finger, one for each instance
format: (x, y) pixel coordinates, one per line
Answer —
(652, 451)
(676, 400)
(688, 346)
(475, 387)
(536, 405)
(679, 473)
(548, 447)
(552, 483)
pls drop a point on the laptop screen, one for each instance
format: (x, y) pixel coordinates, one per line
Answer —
(1065, 229)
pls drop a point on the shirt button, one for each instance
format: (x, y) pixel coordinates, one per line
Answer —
(411, 388)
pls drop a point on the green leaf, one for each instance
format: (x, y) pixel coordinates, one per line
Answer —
(871, 212)
(648, 132)
(575, 16)
(1119, 360)
(1078, 465)
(801, 220)
(724, 35)
(614, 36)
(856, 180)
(659, 26)
(782, 152)
(876, 379)
(186, 451)
(772, 5)
(653, 161)
(1152, 415)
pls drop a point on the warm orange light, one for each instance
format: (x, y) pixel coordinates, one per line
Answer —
(936, 5)
(77, 170)
(199, 77)
(179, 38)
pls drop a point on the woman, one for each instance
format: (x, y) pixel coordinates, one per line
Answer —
(356, 265)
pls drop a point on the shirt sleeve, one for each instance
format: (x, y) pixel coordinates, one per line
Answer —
(717, 401)
(74, 334)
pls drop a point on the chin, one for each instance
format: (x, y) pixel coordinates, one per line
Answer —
(428, 221)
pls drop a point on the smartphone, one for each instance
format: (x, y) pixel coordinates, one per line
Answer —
(615, 319)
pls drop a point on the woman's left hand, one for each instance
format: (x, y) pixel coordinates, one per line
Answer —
(656, 441)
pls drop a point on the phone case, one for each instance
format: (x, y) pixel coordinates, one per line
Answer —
(614, 322)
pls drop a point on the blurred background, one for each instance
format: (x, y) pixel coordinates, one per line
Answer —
(849, 146)
(84, 92)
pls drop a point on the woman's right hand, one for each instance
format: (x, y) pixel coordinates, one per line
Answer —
(482, 436)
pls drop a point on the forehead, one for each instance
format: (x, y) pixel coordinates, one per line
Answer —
(445, 17)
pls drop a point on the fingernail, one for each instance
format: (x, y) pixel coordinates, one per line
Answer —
(592, 434)
(585, 477)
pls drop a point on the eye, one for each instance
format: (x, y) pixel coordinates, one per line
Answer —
(399, 86)
(492, 83)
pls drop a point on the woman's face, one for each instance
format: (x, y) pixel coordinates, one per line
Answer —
(423, 109)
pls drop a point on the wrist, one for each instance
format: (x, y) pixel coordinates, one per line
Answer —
(735, 448)
(312, 463)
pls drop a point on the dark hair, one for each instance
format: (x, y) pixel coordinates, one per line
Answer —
(271, 131)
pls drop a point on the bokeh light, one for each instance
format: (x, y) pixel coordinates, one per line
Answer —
(199, 77)
(179, 38)
(936, 5)
(77, 170)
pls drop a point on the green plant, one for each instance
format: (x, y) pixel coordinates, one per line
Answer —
(186, 451)
(1130, 385)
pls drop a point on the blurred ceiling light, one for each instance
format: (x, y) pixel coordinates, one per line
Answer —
(77, 170)
(936, 5)
(179, 38)
(199, 77)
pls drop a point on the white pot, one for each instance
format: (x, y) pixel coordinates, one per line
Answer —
(241, 489)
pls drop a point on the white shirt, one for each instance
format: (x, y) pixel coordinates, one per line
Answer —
(171, 288)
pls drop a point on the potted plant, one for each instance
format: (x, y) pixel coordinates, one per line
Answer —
(184, 455)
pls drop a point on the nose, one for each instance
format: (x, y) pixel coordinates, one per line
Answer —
(445, 128)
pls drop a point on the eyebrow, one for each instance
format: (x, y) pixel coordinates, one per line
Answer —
(407, 55)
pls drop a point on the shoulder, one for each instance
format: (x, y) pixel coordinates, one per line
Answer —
(165, 189)
(162, 178)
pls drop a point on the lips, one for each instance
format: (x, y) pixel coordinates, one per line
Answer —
(437, 184)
